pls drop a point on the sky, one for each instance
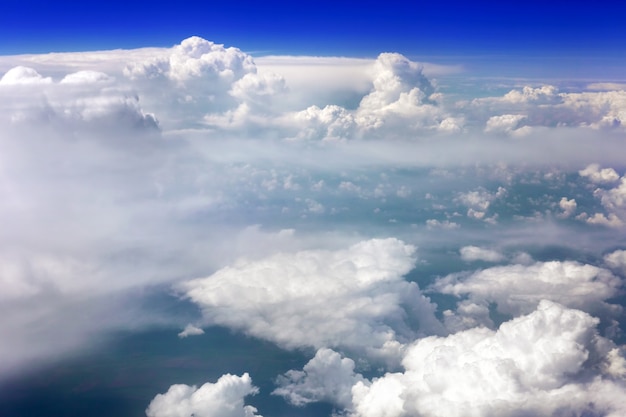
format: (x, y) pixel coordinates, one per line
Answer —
(242, 210)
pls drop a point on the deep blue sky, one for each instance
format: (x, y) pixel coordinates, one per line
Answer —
(322, 27)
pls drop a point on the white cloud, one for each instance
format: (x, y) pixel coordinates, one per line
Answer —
(100, 200)
(506, 123)
(599, 176)
(327, 377)
(445, 225)
(568, 207)
(190, 330)
(616, 260)
(545, 363)
(546, 94)
(614, 198)
(330, 123)
(195, 58)
(517, 289)
(479, 201)
(86, 77)
(354, 298)
(23, 76)
(475, 253)
(224, 398)
(610, 221)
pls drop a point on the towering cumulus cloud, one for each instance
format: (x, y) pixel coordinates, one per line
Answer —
(548, 363)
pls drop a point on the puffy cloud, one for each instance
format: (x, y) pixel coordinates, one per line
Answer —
(330, 123)
(86, 77)
(546, 94)
(197, 79)
(224, 398)
(474, 253)
(23, 76)
(506, 123)
(354, 298)
(478, 202)
(195, 58)
(518, 289)
(400, 98)
(616, 260)
(610, 221)
(545, 106)
(599, 176)
(445, 225)
(614, 198)
(84, 101)
(190, 330)
(568, 207)
(550, 362)
(327, 377)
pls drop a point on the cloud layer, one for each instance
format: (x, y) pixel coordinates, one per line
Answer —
(288, 198)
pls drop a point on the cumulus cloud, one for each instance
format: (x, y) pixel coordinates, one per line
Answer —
(599, 176)
(475, 253)
(327, 377)
(506, 123)
(83, 101)
(330, 123)
(23, 76)
(517, 289)
(616, 260)
(128, 169)
(190, 330)
(224, 398)
(479, 201)
(546, 94)
(354, 298)
(195, 58)
(445, 225)
(549, 362)
(86, 77)
(601, 219)
(568, 207)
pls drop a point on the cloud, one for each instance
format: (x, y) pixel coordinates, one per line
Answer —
(224, 398)
(474, 253)
(84, 101)
(506, 123)
(195, 58)
(517, 289)
(549, 362)
(616, 260)
(190, 330)
(546, 94)
(610, 221)
(445, 225)
(123, 172)
(87, 77)
(23, 76)
(479, 201)
(568, 207)
(327, 377)
(354, 298)
(599, 176)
